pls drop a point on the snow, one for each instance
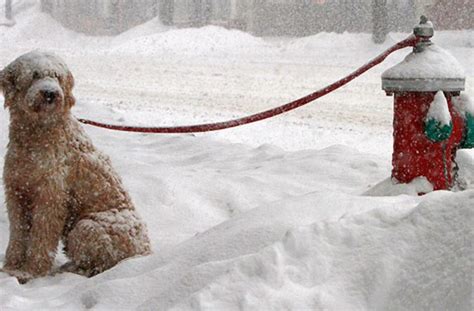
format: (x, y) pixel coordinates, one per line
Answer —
(464, 104)
(377, 260)
(439, 110)
(191, 41)
(429, 70)
(432, 63)
(391, 187)
(297, 212)
(6, 22)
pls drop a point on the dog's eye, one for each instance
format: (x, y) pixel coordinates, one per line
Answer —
(54, 75)
(36, 75)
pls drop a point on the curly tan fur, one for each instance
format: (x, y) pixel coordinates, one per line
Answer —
(58, 186)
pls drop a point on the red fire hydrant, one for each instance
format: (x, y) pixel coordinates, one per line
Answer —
(429, 127)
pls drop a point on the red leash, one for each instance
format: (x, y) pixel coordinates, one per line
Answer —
(410, 41)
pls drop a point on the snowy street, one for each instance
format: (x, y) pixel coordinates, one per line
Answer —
(270, 216)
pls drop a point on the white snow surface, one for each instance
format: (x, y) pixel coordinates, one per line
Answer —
(433, 63)
(391, 187)
(464, 104)
(293, 213)
(439, 109)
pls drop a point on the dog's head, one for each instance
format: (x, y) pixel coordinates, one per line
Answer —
(37, 84)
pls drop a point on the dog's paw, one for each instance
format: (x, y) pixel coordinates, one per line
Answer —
(21, 276)
(71, 267)
(6, 268)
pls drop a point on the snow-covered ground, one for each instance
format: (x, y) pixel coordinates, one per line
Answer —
(271, 216)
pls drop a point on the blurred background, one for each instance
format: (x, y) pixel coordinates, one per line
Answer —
(259, 17)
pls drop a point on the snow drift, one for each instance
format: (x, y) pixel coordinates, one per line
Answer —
(383, 259)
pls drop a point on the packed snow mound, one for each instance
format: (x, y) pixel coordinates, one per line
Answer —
(33, 26)
(439, 110)
(390, 187)
(150, 27)
(385, 259)
(193, 41)
(465, 161)
(329, 41)
(150, 38)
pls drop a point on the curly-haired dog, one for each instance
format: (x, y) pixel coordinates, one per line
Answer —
(57, 185)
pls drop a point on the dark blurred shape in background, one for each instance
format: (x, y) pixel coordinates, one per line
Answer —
(263, 17)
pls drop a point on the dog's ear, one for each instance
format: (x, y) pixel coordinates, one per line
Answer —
(70, 100)
(7, 86)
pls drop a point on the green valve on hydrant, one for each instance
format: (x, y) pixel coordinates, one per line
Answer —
(466, 108)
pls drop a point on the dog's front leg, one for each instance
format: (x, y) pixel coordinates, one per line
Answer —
(47, 223)
(19, 227)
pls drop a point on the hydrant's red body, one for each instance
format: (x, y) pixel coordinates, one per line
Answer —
(415, 82)
(414, 155)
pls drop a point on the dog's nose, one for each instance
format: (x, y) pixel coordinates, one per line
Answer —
(49, 96)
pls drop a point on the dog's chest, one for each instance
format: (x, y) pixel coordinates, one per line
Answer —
(37, 164)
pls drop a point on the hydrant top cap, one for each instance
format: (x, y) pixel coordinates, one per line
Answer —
(431, 70)
(424, 28)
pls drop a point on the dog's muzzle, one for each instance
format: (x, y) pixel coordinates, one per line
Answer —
(44, 95)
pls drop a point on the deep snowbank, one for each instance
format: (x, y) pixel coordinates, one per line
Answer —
(341, 253)
(385, 259)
